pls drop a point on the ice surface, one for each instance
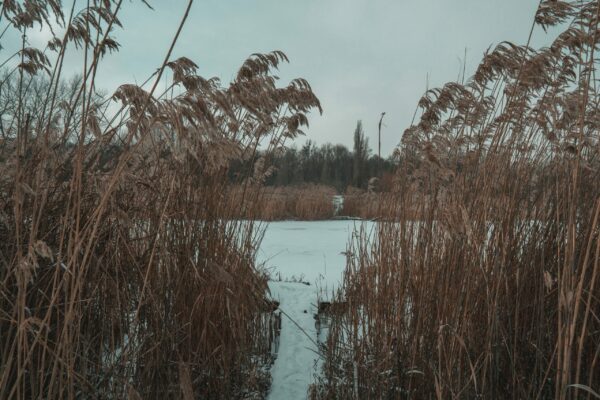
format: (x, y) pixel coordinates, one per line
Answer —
(309, 249)
(313, 251)
(294, 366)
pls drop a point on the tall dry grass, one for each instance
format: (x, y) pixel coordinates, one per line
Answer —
(380, 206)
(493, 291)
(303, 202)
(122, 271)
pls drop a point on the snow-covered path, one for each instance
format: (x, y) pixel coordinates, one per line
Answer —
(295, 364)
(312, 251)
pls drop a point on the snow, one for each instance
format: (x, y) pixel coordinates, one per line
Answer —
(294, 366)
(311, 252)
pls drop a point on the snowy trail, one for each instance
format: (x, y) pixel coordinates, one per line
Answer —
(295, 363)
(311, 251)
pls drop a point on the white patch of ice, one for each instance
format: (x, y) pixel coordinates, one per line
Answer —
(313, 251)
(309, 249)
(294, 366)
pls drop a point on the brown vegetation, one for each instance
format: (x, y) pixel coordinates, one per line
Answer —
(493, 292)
(366, 205)
(305, 202)
(122, 273)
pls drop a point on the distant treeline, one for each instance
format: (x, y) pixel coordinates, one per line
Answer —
(329, 164)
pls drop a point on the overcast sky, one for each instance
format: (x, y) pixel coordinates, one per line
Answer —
(361, 57)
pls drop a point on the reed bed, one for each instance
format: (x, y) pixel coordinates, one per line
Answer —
(370, 206)
(307, 202)
(493, 291)
(123, 274)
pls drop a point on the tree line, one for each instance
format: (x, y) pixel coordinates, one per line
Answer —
(329, 164)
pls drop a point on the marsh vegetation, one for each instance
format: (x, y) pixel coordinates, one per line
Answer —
(130, 223)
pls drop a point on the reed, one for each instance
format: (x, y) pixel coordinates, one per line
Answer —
(306, 202)
(492, 292)
(123, 274)
(370, 206)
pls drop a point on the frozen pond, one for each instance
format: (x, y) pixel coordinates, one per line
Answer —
(312, 252)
